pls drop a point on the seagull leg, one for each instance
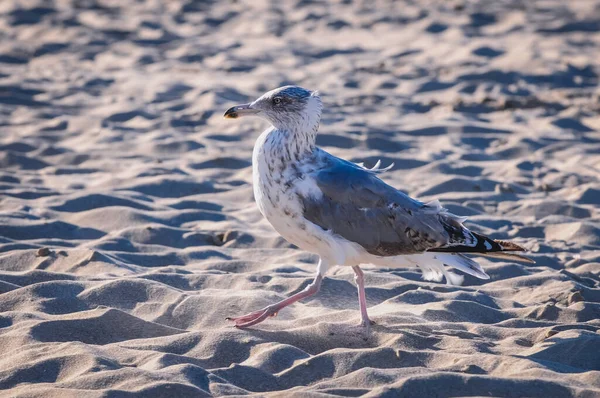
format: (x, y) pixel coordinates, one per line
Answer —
(258, 316)
(359, 278)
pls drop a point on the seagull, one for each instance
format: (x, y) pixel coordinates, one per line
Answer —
(343, 211)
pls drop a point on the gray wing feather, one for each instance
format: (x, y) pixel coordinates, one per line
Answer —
(360, 207)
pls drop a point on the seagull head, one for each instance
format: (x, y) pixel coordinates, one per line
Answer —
(288, 107)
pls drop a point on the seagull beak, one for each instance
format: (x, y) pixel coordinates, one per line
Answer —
(239, 111)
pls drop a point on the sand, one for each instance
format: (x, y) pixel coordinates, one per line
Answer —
(128, 230)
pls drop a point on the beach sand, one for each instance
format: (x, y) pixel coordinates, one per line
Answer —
(128, 229)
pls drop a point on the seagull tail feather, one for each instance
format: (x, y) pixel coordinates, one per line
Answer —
(464, 264)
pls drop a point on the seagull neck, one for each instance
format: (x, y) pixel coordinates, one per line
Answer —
(295, 143)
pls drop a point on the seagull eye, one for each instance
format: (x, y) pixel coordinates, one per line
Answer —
(277, 100)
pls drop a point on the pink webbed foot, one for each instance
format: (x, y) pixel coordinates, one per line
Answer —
(253, 318)
(258, 316)
(366, 323)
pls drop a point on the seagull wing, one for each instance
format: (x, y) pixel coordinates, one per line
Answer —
(358, 206)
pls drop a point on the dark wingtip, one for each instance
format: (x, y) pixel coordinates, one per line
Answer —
(231, 113)
(507, 256)
(510, 246)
